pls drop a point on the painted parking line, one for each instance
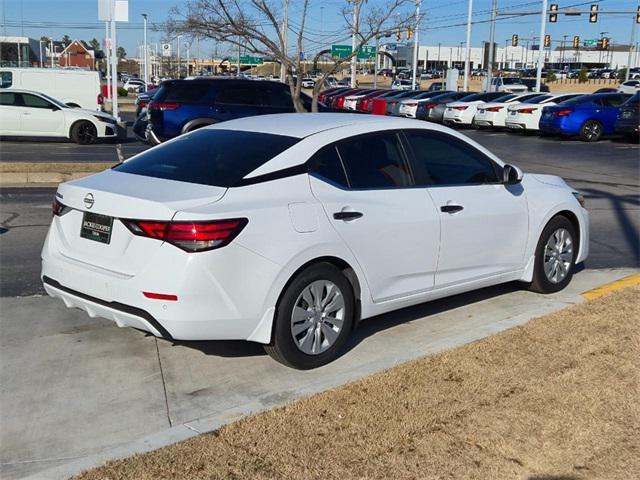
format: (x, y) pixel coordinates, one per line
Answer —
(607, 288)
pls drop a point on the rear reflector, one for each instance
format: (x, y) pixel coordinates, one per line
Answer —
(161, 296)
(190, 236)
(164, 105)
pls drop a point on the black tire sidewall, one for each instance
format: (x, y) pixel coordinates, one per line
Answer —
(282, 337)
(540, 281)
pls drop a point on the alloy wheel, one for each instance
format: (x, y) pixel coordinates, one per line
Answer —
(87, 133)
(592, 130)
(317, 317)
(558, 255)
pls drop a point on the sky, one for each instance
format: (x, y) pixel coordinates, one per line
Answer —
(443, 22)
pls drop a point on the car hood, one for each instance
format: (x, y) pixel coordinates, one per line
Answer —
(549, 180)
(95, 113)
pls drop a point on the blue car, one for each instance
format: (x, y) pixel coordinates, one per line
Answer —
(181, 106)
(588, 116)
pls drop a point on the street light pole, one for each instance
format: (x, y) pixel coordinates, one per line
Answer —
(376, 65)
(492, 39)
(415, 47)
(179, 66)
(543, 24)
(285, 29)
(467, 63)
(355, 27)
(631, 44)
(146, 68)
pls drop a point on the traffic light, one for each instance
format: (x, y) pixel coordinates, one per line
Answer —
(576, 41)
(398, 35)
(514, 40)
(409, 33)
(547, 41)
(593, 15)
(638, 16)
(605, 43)
(553, 15)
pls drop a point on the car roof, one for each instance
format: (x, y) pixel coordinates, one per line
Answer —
(301, 125)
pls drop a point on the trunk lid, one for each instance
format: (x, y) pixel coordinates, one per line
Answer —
(107, 197)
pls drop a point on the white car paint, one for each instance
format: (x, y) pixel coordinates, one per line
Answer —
(493, 114)
(55, 121)
(134, 84)
(351, 102)
(505, 84)
(79, 88)
(630, 86)
(401, 85)
(526, 116)
(402, 251)
(461, 113)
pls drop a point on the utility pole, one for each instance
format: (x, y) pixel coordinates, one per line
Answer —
(415, 47)
(146, 67)
(285, 47)
(467, 63)
(631, 44)
(114, 71)
(543, 24)
(355, 28)
(107, 49)
(492, 37)
(376, 65)
(52, 52)
(179, 66)
(188, 55)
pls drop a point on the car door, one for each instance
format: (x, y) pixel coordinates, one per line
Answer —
(10, 113)
(235, 101)
(484, 223)
(392, 228)
(610, 109)
(276, 99)
(38, 116)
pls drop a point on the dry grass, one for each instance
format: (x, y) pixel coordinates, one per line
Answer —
(555, 399)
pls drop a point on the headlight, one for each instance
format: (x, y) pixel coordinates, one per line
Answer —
(105, 119)
(580, 198)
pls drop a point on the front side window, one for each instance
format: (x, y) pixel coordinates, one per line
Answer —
(374, 161)
(213, 157)
(441, 159)
(6, 79)
(33, 101)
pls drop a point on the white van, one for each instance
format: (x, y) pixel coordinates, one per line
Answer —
(76, 88)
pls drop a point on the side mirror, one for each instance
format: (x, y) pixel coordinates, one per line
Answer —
(511, 175)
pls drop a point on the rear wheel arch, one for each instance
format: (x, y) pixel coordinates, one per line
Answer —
(197, 123)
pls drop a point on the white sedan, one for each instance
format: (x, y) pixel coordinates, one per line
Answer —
(630, 86)
(494, 113)
(24, 113)
(134, 85)
(463, 111)
(290, 229)
(525, 116)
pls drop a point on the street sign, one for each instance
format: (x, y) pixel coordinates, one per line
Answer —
(247, 60)
(366, 52)
(113, 10)
(340, 51)
(592, 42)
(107, 43)
(166, 49)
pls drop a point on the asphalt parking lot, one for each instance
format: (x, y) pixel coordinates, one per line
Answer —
(93, 387)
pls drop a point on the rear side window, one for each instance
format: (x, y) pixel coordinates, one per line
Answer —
(191, 92)
(9, 99)
(238, 95)
(279, 97)
(6, 79)
(214, 157)
(613, 100)
(374, 161)
(441, 159)
(327, 165)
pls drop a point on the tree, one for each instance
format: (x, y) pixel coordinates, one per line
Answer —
(95, 44)
(257, 27)
(121, 53)
(44, 39)
(551, 76)
(583, 76)
(66, 40)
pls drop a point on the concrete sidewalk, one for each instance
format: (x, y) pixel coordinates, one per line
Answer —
(75, 391)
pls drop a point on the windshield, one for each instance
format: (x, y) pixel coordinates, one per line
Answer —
(511, 80)
(208, 156)
(56, 102)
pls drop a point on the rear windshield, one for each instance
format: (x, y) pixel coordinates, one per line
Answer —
(214, 157)
(539, 99)
(581, 99)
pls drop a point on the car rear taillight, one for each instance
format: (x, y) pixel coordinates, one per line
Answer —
(430, 105)
(340, 102)
(143, 103)
(411, 104)
(189, 236)
(564, 113)
(494, 109)
(58, 209)
(162, 106)
(459, 107)
(100, 99)
(526, 110)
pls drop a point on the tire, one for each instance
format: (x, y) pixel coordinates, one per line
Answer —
(84, 133)
(544, 280)
(306, 350)
(591, 131)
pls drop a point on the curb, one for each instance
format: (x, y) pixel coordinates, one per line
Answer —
(40, 174)
(610, 287)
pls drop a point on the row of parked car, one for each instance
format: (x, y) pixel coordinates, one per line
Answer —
(588, 116)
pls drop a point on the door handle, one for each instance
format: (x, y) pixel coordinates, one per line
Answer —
(347, 215)
(451, 208)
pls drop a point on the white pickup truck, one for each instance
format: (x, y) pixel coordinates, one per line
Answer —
(505, 84)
